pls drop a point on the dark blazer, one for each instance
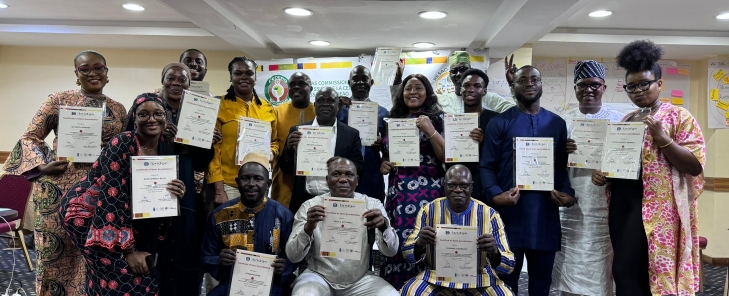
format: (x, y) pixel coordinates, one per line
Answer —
(348, 146)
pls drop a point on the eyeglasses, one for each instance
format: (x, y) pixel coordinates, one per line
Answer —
(86, 71)
(643, 86)
(144, 116)
(593, 86)
(180, 80)
(459, 70)
(524, 81)
(452, 186)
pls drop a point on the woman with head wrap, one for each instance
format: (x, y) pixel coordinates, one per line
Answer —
(97, 214)
(60, 270)
(653, 220)
(180, 258)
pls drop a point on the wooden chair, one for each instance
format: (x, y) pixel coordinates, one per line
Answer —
(14, 194)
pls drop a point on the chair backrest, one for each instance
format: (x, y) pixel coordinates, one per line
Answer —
(14, 193)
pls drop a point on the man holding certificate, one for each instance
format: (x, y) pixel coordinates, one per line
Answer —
(307, 162)
(334, 232)
(532, 222)
(253, 223)
(471, 244)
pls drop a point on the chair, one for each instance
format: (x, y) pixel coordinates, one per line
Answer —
(14, 194)
(702, 245)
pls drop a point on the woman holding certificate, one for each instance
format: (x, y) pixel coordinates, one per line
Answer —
(97, 212)
(60, 265)
(653, 220)
(412, 187)
(240, 101)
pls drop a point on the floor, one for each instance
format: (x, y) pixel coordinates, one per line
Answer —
(714, 285)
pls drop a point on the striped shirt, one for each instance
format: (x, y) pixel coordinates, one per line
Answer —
(477, 214)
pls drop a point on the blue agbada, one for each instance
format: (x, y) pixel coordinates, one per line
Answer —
(371, 182)
(533, 223)
(263, 229)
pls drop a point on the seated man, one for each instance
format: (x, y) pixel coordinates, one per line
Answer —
(327, 276)
(252, 223)
(459, 208)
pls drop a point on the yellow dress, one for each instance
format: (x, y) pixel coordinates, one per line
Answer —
(286, 116)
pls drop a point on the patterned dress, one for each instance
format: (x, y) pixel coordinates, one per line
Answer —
(670, 208)
(97, 215)
(60, 269)
(409, 189)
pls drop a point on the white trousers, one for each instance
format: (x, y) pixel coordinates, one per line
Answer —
(311, 284)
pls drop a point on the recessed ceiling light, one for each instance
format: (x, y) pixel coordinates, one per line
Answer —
(132, 6)
(298, 11)
(601, 13)
(432, 15)
(3, 5)
(723, 16)
(423, 44)
(319, 42)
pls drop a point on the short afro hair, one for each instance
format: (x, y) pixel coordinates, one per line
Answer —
(639, 56)
(477, 72)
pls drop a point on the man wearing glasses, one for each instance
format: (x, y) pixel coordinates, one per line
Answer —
(585, 237)
(532, 223)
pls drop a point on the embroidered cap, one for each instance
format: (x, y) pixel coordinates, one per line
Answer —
(257, 158)
(589, 69)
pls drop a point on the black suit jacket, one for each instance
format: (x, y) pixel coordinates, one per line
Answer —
(348, 145)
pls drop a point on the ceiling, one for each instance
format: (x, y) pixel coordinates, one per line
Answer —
(264, 31)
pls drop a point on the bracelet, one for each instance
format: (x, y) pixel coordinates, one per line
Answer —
(435, 132)
(664, 146)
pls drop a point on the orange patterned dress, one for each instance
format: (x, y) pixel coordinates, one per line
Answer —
(60, 267)
(670, 208)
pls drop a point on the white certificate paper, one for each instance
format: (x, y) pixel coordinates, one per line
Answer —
(404, 142)
(384, 65)
(589, 136)
(200, 87)
(252, 274)
(150, 176)
(253, 136)
(363, 117)
(79, 133)
(534, 163)
(313, 151)
(198, 114)
(456, 253)
(459, 145)
(343, 228)
(622, 153)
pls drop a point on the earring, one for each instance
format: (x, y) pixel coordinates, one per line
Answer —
(78, 82)
(107, 79)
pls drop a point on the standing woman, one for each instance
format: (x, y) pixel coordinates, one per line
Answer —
(60, 268)
(240, 101)
(653, 220)
(97, 211)
(412, 187)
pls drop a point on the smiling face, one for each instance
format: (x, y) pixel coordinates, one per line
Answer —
(644, 97)
(326, 104)
(174, 83)
(91, 72)
(253, 183)
(458, 198)
(456, 73)
(586, 94)
(473, 89)
(342, 178)
(299, 87)
(360, 82)
(195, 60)
(414, 94)
(150, 119)
(243, 77)
(527, 87)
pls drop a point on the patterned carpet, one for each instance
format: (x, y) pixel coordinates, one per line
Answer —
(713, 286)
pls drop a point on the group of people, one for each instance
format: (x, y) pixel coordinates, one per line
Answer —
(88, 243)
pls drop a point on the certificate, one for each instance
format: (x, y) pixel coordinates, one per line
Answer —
(200, 87)
(198, 114)
(253, 136)
(459, 145)
(384, 65)
(456, 253)
(313, 151)
(343, 228)
(79, 133)
(589, 136)
(622, 153)
(252, 274)
(534, 163)
(363, 117)
(404, 142)
(150, 176)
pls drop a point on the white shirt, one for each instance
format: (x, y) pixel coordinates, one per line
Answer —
(318, 185)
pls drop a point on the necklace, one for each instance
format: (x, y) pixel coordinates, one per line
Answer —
(153, 149)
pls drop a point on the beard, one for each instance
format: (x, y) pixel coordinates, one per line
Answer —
(528, 101)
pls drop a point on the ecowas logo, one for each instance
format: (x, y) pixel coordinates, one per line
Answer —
(277, 90)
(443, 83)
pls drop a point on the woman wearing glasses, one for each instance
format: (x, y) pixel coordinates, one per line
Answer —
(653, 220)
(60, 266)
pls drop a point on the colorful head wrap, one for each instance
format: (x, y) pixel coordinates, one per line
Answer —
(458, 57)
(180, 65)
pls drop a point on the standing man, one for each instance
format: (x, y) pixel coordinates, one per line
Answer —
(296, 111)
(345, 143)
(327, 276)
(252, 223)
(371, 182)
(532, 223)
(583, 264)
(197, 62)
